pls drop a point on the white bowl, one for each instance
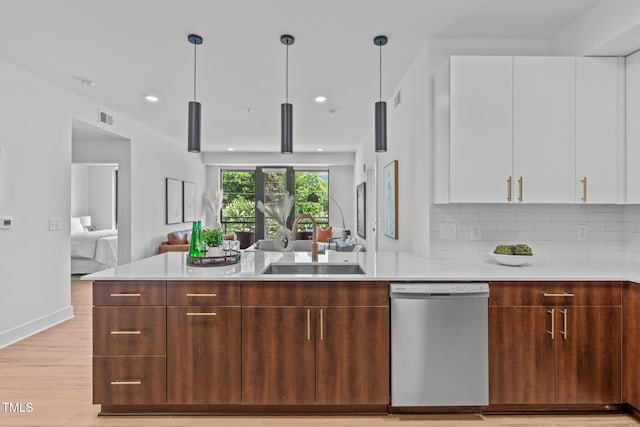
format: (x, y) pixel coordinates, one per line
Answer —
(513, 260)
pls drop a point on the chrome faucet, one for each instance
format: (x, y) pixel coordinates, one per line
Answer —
(314, 236)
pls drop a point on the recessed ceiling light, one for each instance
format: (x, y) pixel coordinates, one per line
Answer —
(87, 82)
(321, 99)
(319, 149)
(230, 149)
(332, 111)
(152, 98)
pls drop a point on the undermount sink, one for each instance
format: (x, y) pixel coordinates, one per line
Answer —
(313, 268)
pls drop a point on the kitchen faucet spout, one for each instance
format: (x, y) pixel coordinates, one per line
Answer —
(314, 236)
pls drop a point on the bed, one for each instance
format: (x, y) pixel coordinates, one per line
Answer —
(93, 250)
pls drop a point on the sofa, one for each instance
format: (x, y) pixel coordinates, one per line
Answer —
(178, 241)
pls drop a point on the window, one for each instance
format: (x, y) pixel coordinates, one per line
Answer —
(238, 212)
(239, 189)
(307, 182)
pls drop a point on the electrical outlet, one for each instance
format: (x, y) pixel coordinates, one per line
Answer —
(448, 231)
(54, 224)
(476, 232)
(583, 232)
(6, 222)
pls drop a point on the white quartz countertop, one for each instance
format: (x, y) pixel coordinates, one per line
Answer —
(387, 266)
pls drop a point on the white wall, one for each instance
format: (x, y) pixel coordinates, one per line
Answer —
(36, 143)
(101, 196)
(79, 190)
(610, 28)
(343, 190)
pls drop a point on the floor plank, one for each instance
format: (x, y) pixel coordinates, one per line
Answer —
(52, 370)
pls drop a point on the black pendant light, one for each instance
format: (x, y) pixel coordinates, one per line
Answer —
(194, 107)
(286, 109)
(381, 107)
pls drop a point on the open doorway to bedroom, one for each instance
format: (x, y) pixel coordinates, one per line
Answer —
(100, 199)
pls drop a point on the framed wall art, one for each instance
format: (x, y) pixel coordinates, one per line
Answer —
(173, 207)
(361, 209)
(390, 199)
(188, 201)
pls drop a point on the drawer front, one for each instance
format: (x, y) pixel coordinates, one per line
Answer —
(129, 330)
(129, 380)
(555, 294)
(203, 293)
(129, 293)
(315, 293)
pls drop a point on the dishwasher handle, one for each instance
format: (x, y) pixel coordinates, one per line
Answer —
(438, 295)
(438, 290)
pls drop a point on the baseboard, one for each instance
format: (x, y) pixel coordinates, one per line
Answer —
(35, 326)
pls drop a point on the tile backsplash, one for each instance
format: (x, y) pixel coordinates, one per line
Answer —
(555, 232)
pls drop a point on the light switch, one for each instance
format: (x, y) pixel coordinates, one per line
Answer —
(448, 231)
(54, 224)
(6, 222)
(583, 232)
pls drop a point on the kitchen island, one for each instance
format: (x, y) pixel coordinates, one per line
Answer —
(172, 338)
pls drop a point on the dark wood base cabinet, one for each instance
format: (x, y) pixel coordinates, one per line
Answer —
(236, 347)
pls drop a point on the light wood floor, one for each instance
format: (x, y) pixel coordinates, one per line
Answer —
(52, 370)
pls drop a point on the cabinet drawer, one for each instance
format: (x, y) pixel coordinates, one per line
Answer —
(129, 330)
(555, 294)
(203, 293)
(129, 293)
(315, 293)
(129, 380)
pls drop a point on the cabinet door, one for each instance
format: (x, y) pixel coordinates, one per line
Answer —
(352, 355)
(521, 356)
(481, 128)
(596, 130)
(544, 129)
(633, 127)
(631, 345)
(278, 355)
(203, 355)
(588, 362)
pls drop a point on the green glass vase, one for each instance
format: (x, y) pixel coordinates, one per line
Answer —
(196, 246)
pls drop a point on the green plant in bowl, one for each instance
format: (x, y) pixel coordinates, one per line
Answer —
(212, 237)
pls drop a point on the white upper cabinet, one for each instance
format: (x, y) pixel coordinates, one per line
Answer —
(596, 130)
(481, 129)
(633, 128)
(544, 129)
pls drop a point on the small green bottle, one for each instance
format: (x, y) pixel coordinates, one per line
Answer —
(196, 247)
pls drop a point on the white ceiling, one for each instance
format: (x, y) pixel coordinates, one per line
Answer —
(131, 48)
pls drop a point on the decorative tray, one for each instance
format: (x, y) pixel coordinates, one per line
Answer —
(219, 258)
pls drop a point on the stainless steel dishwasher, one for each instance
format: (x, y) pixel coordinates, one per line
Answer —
(439, 344)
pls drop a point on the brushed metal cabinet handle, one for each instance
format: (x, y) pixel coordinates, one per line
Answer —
(584, 189)
(564, 294)
(118, 382)
(552, 332)
(520, 196)
(321, 325)
(201, 295)
(509, 189)
(126, 295)
(564, 321)
(126, 332)
(308, 324)
(201, 314)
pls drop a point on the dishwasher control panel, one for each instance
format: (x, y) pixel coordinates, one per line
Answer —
(438, 288)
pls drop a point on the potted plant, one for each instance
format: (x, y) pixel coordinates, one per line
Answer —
(212, 238)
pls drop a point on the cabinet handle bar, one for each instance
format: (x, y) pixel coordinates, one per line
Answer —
(126, 295)
(564, 294)
(564, 321)
(126, 332)
(509, 189)
(520, 196)
(584, 189)
(308, 324)
(201, 295)
(201, 314)
(118, 382)
(552, 332)
(321, 325)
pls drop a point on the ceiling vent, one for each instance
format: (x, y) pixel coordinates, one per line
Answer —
(397, 99)
(105, 118)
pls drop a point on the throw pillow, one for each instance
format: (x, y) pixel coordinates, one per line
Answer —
(324, 235)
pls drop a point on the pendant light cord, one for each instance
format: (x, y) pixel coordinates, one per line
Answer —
(380, 72)
(287, 77)
(195, 69)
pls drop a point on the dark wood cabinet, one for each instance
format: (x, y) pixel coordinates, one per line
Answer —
(278, 355)
(203, 343)
(203, 356)
(325, 346)
(631, 344)
(521, 356)
(352, 357)
(555, 343)
(129, 342)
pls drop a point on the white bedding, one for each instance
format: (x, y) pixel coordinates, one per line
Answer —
(100, 246)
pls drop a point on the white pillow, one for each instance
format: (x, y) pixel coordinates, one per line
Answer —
(76, 225)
